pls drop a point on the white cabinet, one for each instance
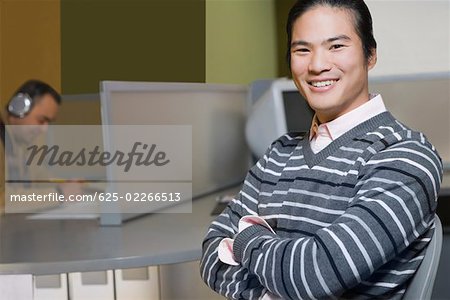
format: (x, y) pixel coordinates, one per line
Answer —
(50, 287)
(91, 285)
(137, 284)
(16, 287)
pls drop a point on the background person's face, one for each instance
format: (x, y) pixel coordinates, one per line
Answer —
(327, 62)
(44, 111)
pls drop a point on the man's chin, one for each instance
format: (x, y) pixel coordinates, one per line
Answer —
(26, 140)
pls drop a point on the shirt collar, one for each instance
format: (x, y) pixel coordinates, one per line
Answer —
(344, 123)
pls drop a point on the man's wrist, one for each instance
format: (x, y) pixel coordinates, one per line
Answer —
(242, 239)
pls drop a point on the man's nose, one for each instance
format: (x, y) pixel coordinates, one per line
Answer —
(319, 62)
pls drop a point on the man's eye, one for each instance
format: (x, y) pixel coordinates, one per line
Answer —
(301, 50)
(337, 46)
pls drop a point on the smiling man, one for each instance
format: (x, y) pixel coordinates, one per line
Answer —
(345, 211)
(328, 63)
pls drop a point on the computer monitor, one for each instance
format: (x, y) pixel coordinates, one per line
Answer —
(280, 109)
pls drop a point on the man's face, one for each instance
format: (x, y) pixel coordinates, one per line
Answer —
(327, 62)
(43, 112)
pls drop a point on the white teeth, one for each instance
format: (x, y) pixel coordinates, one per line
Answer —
(323, 83)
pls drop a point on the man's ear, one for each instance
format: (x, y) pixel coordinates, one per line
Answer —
(372, 59)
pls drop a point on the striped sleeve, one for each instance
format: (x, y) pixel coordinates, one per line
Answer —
(387, 223)
(233, 282)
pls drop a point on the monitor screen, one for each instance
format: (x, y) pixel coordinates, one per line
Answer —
(297, 112)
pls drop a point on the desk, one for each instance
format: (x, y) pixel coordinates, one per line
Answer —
(41, 247)
(45, 247)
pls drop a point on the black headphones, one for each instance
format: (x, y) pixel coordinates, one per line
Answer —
(20, 105)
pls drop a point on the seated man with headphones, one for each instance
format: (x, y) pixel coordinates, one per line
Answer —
(34, 103)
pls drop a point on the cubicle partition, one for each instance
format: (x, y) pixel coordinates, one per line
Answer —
(421, 101)
(215, 112)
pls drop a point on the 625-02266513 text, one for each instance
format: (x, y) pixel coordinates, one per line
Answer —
(140, 197)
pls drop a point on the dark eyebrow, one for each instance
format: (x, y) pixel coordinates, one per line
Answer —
(300, 43)
(47, 119)
(327, 41)
(337, 38)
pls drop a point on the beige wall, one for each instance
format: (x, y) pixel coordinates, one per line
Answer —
(413, 36)
(240, 40)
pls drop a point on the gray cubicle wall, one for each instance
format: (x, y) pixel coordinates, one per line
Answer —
(216, 113)
(421, 101)
(78, 109)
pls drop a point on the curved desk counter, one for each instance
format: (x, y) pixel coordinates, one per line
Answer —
(41, 247)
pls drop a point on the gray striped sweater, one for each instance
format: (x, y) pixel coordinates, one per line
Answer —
(352, 221)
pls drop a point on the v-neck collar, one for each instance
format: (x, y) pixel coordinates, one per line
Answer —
(312, 159)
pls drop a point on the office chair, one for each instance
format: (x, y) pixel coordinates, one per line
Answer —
(421, 285)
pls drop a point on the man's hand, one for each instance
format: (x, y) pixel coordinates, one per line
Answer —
(72, 187)
(225, 249)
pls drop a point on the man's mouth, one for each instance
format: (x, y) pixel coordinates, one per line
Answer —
(324, 83)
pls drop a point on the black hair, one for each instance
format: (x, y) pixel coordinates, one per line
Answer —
(361, 16)
(36, 89)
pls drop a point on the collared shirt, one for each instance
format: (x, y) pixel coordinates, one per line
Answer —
(322, 135)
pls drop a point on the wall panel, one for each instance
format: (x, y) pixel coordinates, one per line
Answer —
(240, 41)
(29, 44)
(131, 40)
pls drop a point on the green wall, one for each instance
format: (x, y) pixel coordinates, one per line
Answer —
(281, 10)
(240, 40)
